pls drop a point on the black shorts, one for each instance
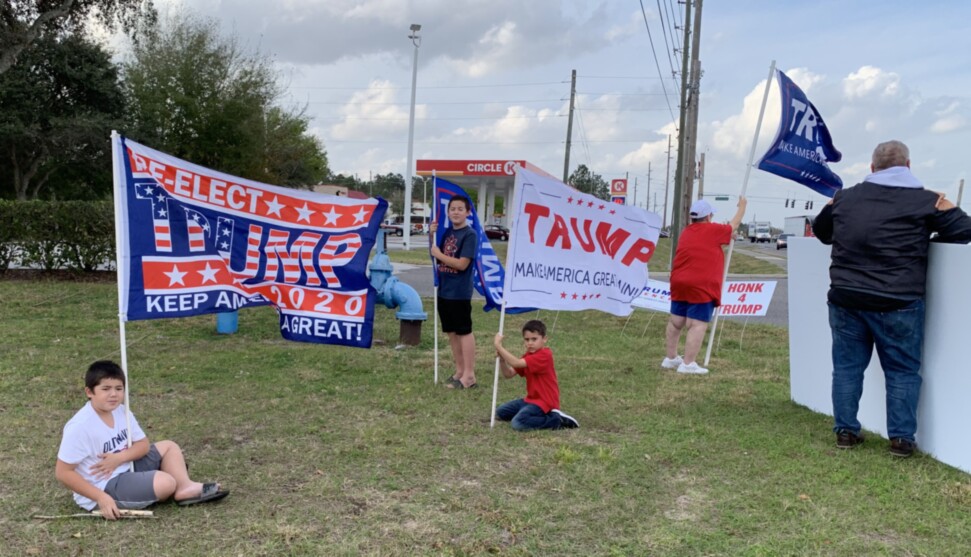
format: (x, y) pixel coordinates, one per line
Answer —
(456, 316)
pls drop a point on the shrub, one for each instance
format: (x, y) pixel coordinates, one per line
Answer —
(73, 235)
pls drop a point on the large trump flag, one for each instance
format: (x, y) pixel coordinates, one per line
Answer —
(573, 251)
(193, 241)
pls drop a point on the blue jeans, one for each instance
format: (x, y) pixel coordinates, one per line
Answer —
(899, 339)
(526, 416)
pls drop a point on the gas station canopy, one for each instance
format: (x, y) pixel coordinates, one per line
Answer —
(488, 177)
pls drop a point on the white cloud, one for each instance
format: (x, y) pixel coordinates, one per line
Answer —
(372, 114)
(949, 123)
(868, 81)
(633, 27)
(949, 119)
(517, 124)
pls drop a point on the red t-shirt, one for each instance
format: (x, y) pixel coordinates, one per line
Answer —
(699, 263)
(542, 388)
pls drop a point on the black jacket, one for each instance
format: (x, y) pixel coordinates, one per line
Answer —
(880, 237)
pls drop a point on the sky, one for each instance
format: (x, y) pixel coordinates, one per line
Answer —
(493, 82)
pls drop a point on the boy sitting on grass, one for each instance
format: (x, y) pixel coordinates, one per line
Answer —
(540, 408)
(93, 460)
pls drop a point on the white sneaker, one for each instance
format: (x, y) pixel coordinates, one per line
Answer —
(566, 420)
(671, 363)
(693, 367)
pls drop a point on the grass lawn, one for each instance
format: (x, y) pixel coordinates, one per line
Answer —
(660, 261)
(338, 451)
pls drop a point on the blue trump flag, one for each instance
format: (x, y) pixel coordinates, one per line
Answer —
(488, 276)
(802, 146)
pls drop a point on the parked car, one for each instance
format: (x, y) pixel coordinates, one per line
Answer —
(395, 229)
(497, 232)
(399, 230)
(782, 242)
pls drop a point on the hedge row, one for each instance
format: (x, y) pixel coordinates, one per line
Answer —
(49, 235)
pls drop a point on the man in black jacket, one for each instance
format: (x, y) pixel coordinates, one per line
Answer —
(880, 231)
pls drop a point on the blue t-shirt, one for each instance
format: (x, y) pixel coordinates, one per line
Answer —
(452, 283)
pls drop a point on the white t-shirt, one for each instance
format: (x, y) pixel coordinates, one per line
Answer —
(86, 436)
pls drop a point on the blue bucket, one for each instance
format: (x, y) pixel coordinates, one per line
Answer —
(227, 323)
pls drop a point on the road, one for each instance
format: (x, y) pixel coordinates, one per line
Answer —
(420, 278)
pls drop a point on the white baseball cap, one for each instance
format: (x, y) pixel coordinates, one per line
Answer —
(701, 209)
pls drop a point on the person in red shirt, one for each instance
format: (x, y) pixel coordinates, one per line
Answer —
(541, 407)
(696, 283)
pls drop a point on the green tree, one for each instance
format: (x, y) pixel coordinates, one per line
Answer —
(196, 94)
(22, 22)
(391, 187)
(58, 105)
(583, 179)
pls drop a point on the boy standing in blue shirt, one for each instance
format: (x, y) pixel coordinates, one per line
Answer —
(454, 260)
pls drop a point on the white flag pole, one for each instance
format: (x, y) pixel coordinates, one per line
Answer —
(748, 171)
(121, 261)
(431, 239)
(495, 380)
(510, 246)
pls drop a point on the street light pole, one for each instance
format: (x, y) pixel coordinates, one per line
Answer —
(415, 40)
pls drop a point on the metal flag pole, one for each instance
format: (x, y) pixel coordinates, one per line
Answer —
(510, 247)
(748, 171)
(432, 238)
(121, 260)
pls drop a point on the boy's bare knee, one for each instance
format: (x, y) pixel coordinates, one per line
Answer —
(165, 446)
(164, 485)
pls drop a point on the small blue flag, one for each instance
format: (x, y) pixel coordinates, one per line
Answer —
(802, 146)
(488, 276)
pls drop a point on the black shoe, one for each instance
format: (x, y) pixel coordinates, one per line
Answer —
(566, 421)
(902, 447)
(847, 439)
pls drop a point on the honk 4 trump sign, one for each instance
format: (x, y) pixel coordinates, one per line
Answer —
(572, 251)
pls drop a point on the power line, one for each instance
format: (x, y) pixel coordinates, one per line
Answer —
(552, 142)
(368, 103)
(583, 135)
(484, 86)
(656, 63)
(617, 77)
(404, 119)
(667, 47)
(680, 23)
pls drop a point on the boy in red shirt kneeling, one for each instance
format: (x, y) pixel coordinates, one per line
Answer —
(541, 407)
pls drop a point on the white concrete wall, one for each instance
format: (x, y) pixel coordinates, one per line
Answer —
(945, 401)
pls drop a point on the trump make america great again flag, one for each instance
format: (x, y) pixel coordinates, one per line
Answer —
(195, 241)
(803, 146)
(572, 251)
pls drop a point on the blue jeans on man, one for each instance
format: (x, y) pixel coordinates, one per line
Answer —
(899, 338)
(526, 416)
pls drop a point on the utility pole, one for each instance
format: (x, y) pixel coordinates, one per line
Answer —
(667, 176)
(678, 201)
(635, 191)
(960, 192)
(569, 126)
(691, 152)
(648, 202)
(701, 177)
